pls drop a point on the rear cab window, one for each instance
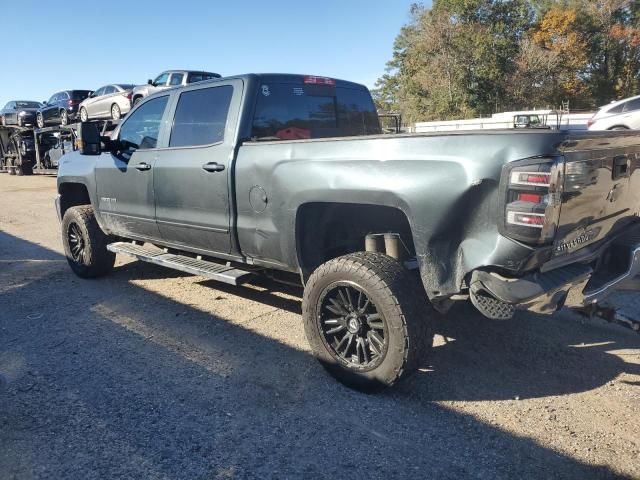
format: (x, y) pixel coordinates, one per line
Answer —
(315, 108)
(200, 76)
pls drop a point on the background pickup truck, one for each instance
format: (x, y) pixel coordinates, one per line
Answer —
(289, 176)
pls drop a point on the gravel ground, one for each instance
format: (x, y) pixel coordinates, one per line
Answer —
(150, 373)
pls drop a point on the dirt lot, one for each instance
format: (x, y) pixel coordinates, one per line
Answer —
(149, 373)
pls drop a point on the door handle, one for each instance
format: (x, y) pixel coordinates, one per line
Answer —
(213, 167)
(143, 166)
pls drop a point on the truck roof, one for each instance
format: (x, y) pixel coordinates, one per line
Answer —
(287, 78)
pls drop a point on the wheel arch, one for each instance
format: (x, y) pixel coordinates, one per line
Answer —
(72, 194)
(326, 230)
(614, 127)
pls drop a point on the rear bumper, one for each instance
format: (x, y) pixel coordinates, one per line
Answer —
(575, 286)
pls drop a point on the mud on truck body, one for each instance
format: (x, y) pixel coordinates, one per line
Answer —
(288, 175)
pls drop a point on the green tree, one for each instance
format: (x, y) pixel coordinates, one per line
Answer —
(464, 58)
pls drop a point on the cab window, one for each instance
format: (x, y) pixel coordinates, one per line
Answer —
(161, 80)
(176, 79)
(142, 127)
(201, 116)
(287, 111)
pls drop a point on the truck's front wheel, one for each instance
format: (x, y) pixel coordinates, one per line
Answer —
(366, 321)
(85, 244)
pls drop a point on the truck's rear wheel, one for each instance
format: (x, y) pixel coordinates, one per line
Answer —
(366, 321)
(85, 244)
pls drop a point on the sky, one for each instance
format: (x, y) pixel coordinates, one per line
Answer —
(85, 45)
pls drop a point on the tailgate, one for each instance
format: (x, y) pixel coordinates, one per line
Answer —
(601, 193)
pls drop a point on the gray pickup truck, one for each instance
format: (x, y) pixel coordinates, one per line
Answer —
(289, 176)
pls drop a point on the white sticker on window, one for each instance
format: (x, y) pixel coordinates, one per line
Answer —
(265, 90)
(298, 91)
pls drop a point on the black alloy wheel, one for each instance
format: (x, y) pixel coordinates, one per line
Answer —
(353, 329)
(76, 242)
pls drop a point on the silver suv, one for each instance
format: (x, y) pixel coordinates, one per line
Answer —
(168, 79)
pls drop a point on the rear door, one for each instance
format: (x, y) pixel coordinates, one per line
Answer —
(191, 180)
(125, 180)
(104, 103)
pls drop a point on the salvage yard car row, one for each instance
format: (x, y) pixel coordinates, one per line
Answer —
(109, 101)
(28, 137)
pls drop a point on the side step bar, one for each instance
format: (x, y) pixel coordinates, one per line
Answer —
(214, 271)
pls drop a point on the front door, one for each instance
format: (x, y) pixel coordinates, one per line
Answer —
(192, 174)
(125, 180)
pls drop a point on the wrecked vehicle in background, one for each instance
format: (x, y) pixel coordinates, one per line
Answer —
(290, 176)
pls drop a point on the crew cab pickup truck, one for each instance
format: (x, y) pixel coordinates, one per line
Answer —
(289, 176)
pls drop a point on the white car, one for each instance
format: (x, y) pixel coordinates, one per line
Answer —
(110, 101)
(619, 115)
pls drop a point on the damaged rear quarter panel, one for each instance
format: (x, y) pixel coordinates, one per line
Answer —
(446, 185)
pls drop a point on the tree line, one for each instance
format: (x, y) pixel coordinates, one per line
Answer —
(465, 58)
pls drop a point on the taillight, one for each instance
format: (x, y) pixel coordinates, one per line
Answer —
(590, 122)
(128, 95)
(532, 199)
(315, 80)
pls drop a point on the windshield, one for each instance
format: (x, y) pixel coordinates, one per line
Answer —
(286, 111)
(28, 104)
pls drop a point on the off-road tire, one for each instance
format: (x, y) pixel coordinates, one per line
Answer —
(397, 296)
(95, 260)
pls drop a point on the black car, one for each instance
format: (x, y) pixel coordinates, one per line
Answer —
(61, 108)
(19, 112)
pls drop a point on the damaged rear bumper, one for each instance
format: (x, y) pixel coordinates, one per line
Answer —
(574, 286)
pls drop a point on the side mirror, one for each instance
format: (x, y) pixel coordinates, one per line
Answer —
(150, 82)
(88, 140)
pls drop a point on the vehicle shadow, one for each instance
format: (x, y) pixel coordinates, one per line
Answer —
(109, 382)
(480, 359)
